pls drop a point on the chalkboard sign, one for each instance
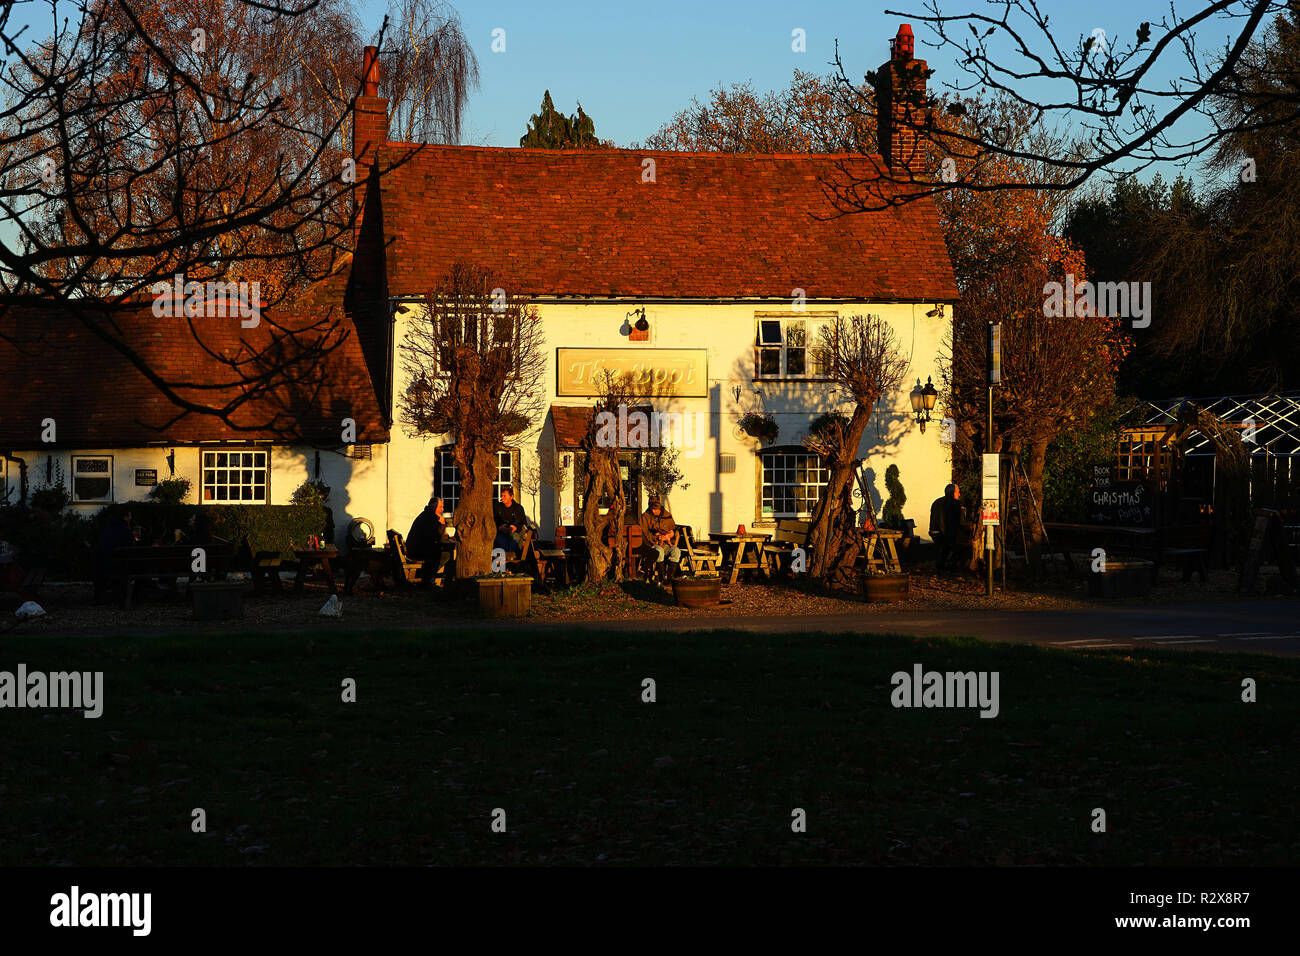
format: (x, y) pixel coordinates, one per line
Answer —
(1127, 504)
(146, 476)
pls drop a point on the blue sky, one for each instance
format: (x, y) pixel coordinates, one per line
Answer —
(634, 64)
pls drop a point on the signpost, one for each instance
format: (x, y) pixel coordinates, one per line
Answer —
(990, 517)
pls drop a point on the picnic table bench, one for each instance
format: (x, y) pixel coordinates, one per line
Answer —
(790, 534)
(168, 562)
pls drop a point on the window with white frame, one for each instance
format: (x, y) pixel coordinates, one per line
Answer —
(234, 477)
(92, 478)
(483, 333)
(790, 346)
(447, 477)
(792, 483)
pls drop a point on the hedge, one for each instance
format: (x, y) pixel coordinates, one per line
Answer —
(271, 527)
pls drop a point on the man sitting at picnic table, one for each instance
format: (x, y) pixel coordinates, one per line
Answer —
(511, 523)
(659, 531)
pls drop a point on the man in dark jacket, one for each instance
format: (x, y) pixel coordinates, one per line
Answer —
(428, 532)
(511, 522)
(947, 527)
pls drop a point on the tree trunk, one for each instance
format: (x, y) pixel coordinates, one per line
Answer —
(824, 548)
(475, 529)
(1031, 509)
(602, 475)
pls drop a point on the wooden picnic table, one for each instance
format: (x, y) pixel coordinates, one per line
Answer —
(309, 559)
(167, 562)
(880, 550)
(740, 543)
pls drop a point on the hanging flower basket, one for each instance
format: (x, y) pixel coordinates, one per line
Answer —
(762, 427)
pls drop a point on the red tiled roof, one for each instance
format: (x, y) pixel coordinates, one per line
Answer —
(570, 423)
(57, 368)
(712, 225)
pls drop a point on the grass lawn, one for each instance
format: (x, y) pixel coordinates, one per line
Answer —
(552, 729)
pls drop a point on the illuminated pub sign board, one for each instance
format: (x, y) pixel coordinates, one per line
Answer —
(678, 372)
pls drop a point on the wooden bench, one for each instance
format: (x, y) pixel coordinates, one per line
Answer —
(407, 570)
(264, 566)
(790, 534)
(168, 562)
(698, 557)
(552, 564)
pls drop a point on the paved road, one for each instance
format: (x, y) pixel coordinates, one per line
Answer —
(1269, 625)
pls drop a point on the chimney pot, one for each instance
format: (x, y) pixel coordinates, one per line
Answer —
(903, 46)
(370, 72)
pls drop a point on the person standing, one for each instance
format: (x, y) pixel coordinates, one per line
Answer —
(947, 527)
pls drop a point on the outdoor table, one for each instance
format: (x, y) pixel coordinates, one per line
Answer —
(882, 540)
(309, 559)
(740, 543)
(1105, 536)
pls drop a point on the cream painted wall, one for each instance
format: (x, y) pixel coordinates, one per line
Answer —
(715, 501)
(358, 487)
(392, 487)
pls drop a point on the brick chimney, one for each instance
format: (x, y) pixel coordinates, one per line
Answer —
(369, 131)
(365, 298)
(901, 96)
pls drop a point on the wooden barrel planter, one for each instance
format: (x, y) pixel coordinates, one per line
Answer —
(884, 588)
(697, 592)
(1122, 579)
(509, 596)
(217, 600)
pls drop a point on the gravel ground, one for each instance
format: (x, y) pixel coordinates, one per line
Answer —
(71, 609)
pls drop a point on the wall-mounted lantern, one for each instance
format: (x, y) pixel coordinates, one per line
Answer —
(923, 401)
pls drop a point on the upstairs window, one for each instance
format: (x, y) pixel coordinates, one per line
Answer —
(789, 347)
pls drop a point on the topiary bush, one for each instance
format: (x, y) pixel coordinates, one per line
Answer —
(891, 515)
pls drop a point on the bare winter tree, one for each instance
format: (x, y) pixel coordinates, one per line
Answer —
(474, 361)
(147, 139)
(863, 361)
(1131, 95)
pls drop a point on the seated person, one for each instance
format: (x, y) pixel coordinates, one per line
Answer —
(659, 531)
(428, 539)
(511, 523)
(116, 533)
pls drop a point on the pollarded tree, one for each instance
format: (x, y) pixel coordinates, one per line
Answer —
(863, 362)
(474, 361)
(601, 479)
